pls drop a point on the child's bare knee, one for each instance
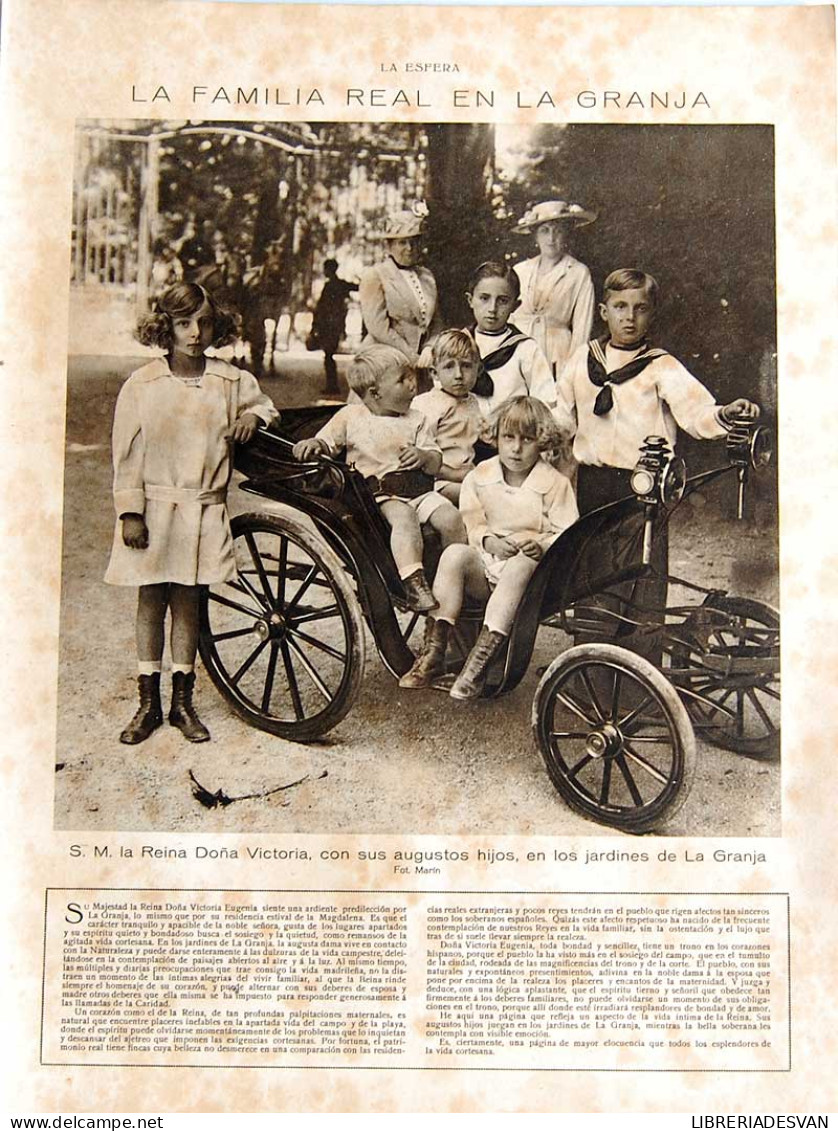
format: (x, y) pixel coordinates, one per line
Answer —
(448, 524)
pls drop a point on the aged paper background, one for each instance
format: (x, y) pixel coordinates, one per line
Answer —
(64, 61)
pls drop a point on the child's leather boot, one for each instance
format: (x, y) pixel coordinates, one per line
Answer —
(149, 715)
(469, 683)
(183, 714)
(431, 662)
(419, 596)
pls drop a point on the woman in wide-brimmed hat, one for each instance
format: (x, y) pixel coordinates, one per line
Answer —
(557, 294)
(398, 296)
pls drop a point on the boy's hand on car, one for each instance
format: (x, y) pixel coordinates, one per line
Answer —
(134, 531)
(740, 408)
(244, 428)
(308, 449)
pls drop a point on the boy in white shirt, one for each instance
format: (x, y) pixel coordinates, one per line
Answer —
(618, 390)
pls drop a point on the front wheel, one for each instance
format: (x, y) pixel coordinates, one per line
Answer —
(284, 642)
(616, 739)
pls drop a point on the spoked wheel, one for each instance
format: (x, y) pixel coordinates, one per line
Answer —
(726, 664)
(615, 737)
(284, 642)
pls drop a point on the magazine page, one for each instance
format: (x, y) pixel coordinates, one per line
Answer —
(416, 422)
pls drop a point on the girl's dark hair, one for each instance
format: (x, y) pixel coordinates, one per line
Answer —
(494, 269)
(179, 301)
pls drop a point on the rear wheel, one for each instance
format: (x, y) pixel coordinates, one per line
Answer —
(615, 737)
(726, 664)
(284, 642)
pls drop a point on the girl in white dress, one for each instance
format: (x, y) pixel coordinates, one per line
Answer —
(514, 507)
(175, 424)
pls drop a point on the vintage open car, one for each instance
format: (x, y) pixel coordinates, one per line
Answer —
(285, 643)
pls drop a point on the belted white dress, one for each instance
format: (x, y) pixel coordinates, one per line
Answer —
(172, 465)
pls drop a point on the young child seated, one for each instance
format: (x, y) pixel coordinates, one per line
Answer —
(618, 390)
(514, 362)
(514, 507)
(451, 408)
(391, 444)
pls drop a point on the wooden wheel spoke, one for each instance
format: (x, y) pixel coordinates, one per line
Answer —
(771, 691)
(315, 643)
(602, 715)
(326, 613)
(304, 585)
(248, 663)
(635, 713)
(291, 676)
(310, 669)
(606, 782)
(256, 558)
(615, 693)
(252, 591)
(281, 570)
(255, 613)
(639, 760)
(763, 714)
(269, 677)
(574, 771)
(577, 734)
(232, 634)
(577, 708)
(629, 780)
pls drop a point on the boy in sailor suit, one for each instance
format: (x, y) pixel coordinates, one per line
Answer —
(617, 390)
(612, 394)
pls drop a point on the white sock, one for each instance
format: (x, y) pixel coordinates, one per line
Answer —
(149, 667)
(407, 571)
(185, 668)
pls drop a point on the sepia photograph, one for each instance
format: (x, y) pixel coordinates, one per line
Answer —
(421, 478)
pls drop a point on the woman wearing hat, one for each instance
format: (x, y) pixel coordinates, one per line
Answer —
(557, 294)
(398, 296)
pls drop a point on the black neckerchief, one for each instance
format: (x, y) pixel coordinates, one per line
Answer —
(598, 375)
(485, 386)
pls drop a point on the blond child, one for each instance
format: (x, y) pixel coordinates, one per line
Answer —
(514, 507)
(393, 447)
(451, 408)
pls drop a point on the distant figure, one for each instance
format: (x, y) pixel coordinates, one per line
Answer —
(330, 320)
(267, 288)
(196, 249)
(166, 268)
